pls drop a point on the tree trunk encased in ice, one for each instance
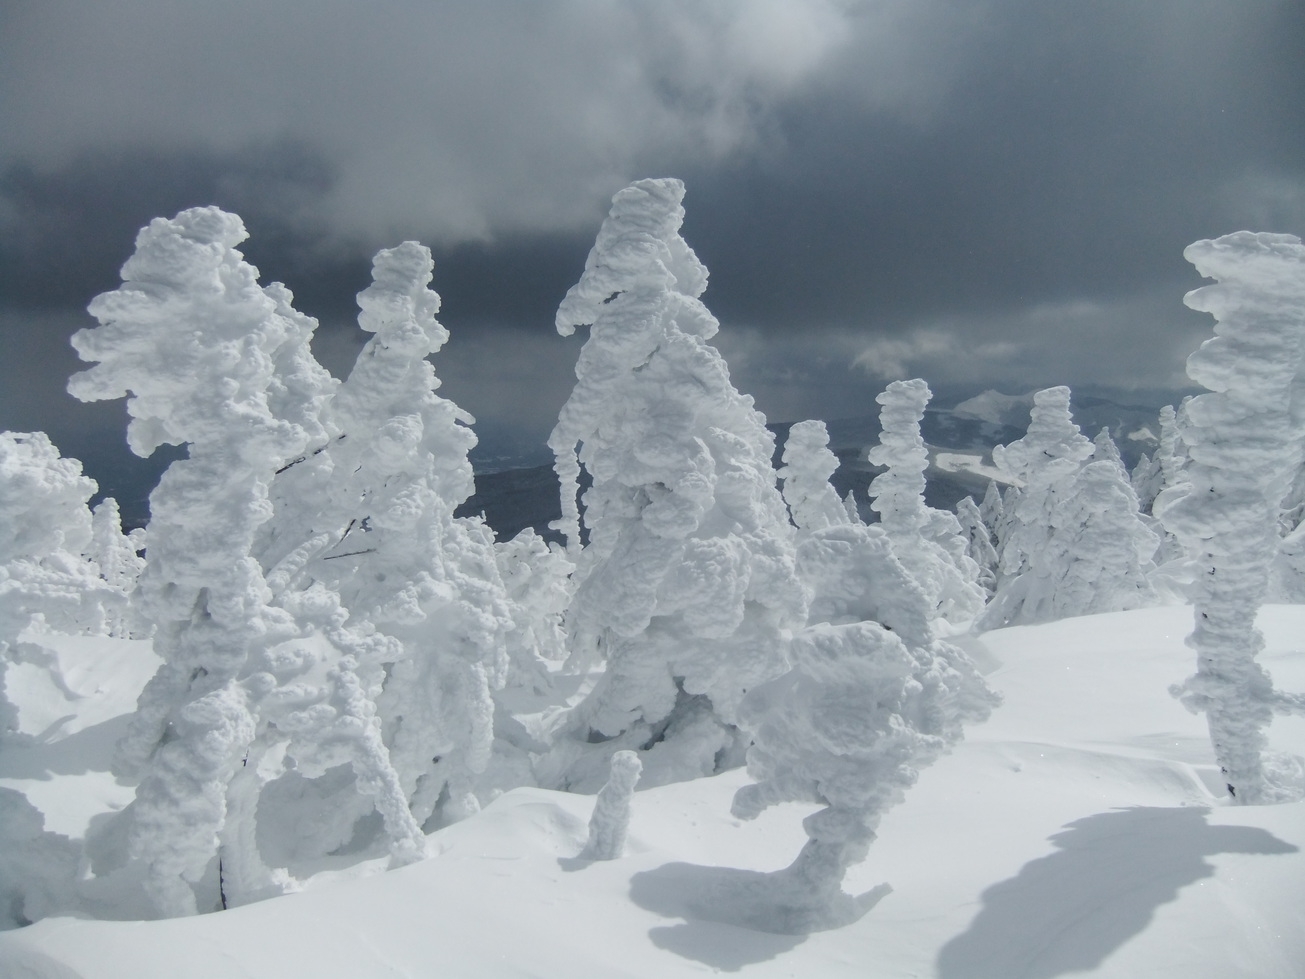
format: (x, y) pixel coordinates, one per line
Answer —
(1245, 442)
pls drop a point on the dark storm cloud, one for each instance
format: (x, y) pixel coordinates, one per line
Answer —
(1085, 147)
(982, 193)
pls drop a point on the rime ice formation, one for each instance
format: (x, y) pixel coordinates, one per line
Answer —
(849, 727)
(197, 345)
(808, 464)
(871, 695)
(979, 543)
(402, 563)
(1098, 554)
(1245, 444)
(928, 542)
(610, 822)
(1042, 465)
(687, 585)
(62, 567)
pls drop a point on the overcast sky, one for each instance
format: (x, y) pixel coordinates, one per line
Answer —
(984, 193)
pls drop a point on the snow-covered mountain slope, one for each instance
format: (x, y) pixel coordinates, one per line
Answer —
(1081, 831)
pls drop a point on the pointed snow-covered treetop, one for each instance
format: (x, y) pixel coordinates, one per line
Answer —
(1245, 442)
(190, 309)
(687, 582)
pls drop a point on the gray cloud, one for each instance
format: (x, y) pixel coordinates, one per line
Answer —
(991, 193)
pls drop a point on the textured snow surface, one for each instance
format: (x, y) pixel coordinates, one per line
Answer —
(1074, 833)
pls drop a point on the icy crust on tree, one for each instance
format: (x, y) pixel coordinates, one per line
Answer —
(848, 727)
(807, 467)
(870, 695)
(1075, 541)
(687, 585)
(928, 542)
(1245, 445)
(979, 542)
(196, 345)
(62, 567)
(404, 567)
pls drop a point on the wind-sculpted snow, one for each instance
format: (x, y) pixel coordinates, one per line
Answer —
(849, 726)
(62, 567)
(1071, 536)
(195, 343)
(928, 542)
(1245, 444)
(687, 584)
(808, 465)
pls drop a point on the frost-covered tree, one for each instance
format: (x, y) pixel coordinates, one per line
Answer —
(1246, 441)
(62, 566)
(848, 727)
(978, 542)
(194, 342)
(927, 541)
(369, 519)
(38, 869)
(871, 695)
(1042, 466)
(1099, 553)
(807, 466)
(686, 587)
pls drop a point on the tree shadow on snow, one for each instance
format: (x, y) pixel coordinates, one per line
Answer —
(732, 917)
(1067, 911)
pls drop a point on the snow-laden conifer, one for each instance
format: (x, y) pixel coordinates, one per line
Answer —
(927, 541)
(686, 587)
(848, 727)
(979, 543)
(871, 695)
(807, 466)
(195, 344)
(1042, 466)
(51, 549)
(404, 567)
(1245, 444)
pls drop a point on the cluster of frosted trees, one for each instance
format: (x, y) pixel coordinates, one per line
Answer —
(346, 665)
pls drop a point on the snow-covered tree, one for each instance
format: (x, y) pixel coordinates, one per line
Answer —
(51, 549)
(1042, 466)
(927, 541)
(194, 342)
(871, 695)
(978, 542)
(686, 587)
(1246, 441)
(1077, 543)
(1099, 553)
(848, 727)
(807, 466)
(413, 594)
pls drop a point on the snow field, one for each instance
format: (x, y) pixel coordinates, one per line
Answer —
(1076, 832)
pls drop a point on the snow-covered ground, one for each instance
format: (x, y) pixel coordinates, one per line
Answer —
(1081, 831)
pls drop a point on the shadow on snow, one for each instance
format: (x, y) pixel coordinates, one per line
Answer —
(1067, 911)
(732, 917)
